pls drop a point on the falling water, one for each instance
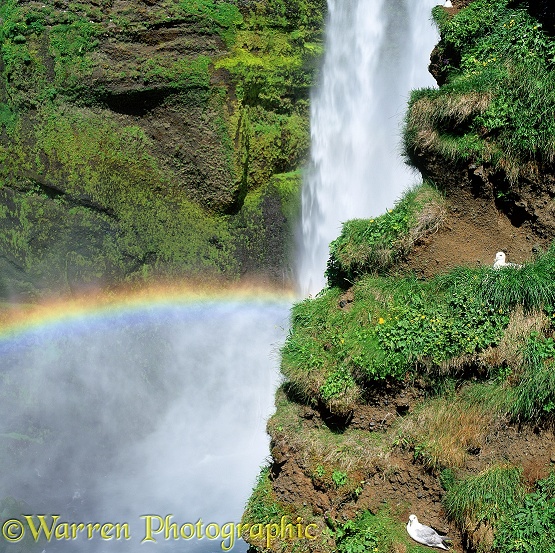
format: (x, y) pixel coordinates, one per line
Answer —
(376, 52)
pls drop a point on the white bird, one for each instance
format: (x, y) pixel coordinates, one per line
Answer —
(448, 4)
(424, 534)
(500, 261)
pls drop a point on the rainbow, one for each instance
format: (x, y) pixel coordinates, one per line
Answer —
(113, 304)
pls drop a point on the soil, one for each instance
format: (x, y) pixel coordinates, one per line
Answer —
(406, 486)
(473, 232)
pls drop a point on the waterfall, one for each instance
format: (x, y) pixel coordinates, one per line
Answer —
(376, 52)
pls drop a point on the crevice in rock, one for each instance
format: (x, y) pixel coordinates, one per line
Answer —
(136, 103)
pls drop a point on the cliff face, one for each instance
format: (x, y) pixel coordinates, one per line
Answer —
(421, 380)
(483, 138)
(151, 137)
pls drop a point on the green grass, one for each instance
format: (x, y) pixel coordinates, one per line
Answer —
(534, 394)
(496, 499)
(374, 533)
(443, 429)
(262, 506)
(483, 498)
(532, 287)
(397, 327)
(393, 327)
(374, 245)
(338, 462)
(498, 51)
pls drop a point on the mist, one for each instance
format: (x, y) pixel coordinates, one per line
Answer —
(160, 411)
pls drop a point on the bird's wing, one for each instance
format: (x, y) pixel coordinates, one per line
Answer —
(428, 534)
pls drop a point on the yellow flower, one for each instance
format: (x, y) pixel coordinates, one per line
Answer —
(381, 321)
(371, 220)
(422, 316)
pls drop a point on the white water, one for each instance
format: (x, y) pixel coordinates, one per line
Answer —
(155, 412)
(376, 52)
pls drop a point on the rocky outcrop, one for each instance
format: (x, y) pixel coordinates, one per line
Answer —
(347, 438)
(455, 136)
(130, 147)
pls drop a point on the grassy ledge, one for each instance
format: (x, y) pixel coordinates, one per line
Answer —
(496, 69)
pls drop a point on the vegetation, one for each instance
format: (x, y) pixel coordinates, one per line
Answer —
(393, 326)
(262, 506)
(478, 340)
(496, 499)
(378, 533)
(374, 245)
(529, 526)
(485, 497)
(497, 69)
(476, 344)
(206, 185)
(444, 430)
(336, 461)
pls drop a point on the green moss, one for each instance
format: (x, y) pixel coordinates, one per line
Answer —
(70, 45)
(222, 210)
(109, 172)
(220, 17)
(85, 251)
(182, 74)
(7, 117)
(269, 67)
(263, 228)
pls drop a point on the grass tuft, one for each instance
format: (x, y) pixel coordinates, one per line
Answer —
(497, 68)
(445, 429)
(534, 394)
(376, 533)
(477, 502)
(374, 245)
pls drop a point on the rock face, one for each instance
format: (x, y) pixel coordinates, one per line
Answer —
(455, 137)
(342, 445)
(143, 137)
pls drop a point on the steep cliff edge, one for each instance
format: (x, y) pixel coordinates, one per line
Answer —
(485, 137)
(421, 380)
(144, 138)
